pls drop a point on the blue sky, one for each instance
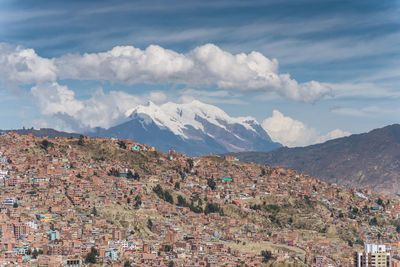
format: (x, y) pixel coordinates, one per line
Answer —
(350, 47)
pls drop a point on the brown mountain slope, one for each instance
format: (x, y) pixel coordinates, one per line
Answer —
(369, 161)
(42, 132)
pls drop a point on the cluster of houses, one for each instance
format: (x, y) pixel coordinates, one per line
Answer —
(58, 203)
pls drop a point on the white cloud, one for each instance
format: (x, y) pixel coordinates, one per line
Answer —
(126, 65)
(292, 133)
(157, 97)
(212, 97)
(100, 110)
(206, 65)
(106, 110)
(337, 133)
(24, 66)
(287, 131)
(53, 98)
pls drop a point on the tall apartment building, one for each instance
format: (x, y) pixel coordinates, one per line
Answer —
(373, 256)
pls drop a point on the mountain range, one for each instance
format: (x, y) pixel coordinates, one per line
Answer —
(193, 128)
(369, 160)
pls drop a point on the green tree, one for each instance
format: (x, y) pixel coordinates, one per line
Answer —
(121, 144)
(129, 175)
(183, 175)
(211, 183)
(211, 208)
(138, 201)
(168, 248)
(159, 191)
(45, 144)
(168, 197)
(94, 211)
(91, 257)
(136, 176)
(177, 186)
(314, 188)
(267, 255)
(35, 253)
(373, 221)
(149, 224)
(355, 210)
(195, 209)
(182, 201)
(113, 172)
(190, 162)
(359, 242)
(263, 172)
(80, 141)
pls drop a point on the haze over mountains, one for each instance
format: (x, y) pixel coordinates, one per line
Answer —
(369, 160)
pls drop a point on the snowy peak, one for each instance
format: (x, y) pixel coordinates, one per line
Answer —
(178, 118)
(193, 128)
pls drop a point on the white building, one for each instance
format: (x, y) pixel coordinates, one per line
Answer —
(10, 201)
(373, 256)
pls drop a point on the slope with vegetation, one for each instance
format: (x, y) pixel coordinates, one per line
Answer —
(239, 213)
(368, 161)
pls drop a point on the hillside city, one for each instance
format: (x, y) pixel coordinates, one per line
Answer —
(71, 202)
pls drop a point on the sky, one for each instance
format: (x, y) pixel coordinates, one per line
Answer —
(307, 70)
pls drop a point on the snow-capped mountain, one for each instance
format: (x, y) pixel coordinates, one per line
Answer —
(194, 128)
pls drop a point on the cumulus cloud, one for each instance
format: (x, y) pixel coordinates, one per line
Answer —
(24, 66)
(206, 65)
(126, 65)
(293, 133)
(100, 110)
(53, 98)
